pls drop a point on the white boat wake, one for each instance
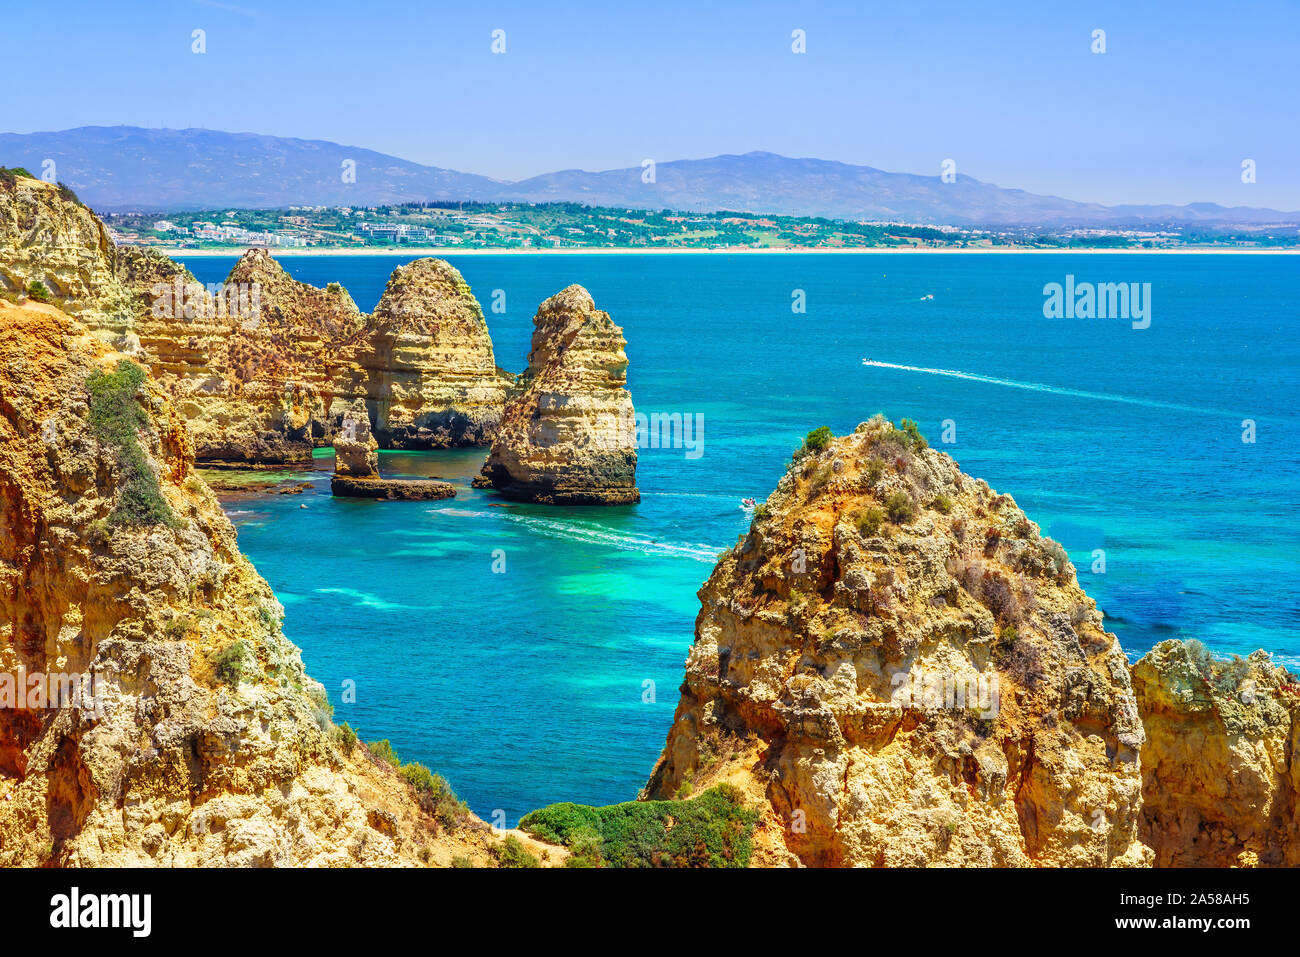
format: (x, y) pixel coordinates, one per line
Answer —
(1040, 387)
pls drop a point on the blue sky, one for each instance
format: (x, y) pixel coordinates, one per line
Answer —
(1011, 91)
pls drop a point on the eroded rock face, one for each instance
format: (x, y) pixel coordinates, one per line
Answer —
(47, 236)
(204, 742)
(424, 363)
(355, 449)
(567, 435)
(933, 689)
(1221, 766)
(264, 368)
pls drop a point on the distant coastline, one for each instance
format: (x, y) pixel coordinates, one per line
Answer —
(443, 251)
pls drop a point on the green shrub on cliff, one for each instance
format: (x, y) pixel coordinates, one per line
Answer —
(435, 795)
(512, 853)
(383, 751)
(899, 508)
(818, 438)
(869, 521)
(38, 291)
(712, 830)
(116, 419)
(8, 175)
(228, 663)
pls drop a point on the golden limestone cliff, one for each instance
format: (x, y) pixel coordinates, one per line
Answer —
(424, 363)
(57, 249)
(1221, 766)
(899, 670)
(568, 434)
(264, 366)
(151, 710)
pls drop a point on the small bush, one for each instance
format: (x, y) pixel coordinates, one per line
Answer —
(762, 511)
(433, 793)
(346, 737)
(37, 290)
(874, 469)
(915, 440)
(942, 504)
(459, 861)
(818, 438)
(98, 533)
(869, 521)
(179, 627)
(228, 663)
(382, 751)
(1056, 557)
(512, 853)
(908, 436)
(899, 507)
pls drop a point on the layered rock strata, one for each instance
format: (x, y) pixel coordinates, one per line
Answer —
(424, 363)
(49, 238)
(263, 366)
(901, 671)
(166, 719)
(568, 435)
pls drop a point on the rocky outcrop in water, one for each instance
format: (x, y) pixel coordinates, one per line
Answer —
(900, 671)
(568, 435)
(424, 363)
(355, 449)
(186, 731)
(1221, 766)
(356, 466)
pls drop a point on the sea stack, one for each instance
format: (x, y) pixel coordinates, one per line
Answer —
(356, 465)
(424, 363)
(568, 434)
(900, 671)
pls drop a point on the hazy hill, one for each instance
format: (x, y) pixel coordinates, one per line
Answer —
(130, 168)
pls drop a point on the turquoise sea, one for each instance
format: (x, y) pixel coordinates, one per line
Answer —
(530, 686)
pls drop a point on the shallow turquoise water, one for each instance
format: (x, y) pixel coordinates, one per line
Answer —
(526, 687)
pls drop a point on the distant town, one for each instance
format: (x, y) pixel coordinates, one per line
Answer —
(543, 226)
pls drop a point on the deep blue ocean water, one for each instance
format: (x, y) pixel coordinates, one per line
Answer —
(527, 687)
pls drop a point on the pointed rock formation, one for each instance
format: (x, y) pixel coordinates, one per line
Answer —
(424, 363)
(1221, 766)
(901, 671)
(355, 449)
(567, 435)
(186, 732)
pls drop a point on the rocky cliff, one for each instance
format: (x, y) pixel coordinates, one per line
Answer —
(1221, 766)
(186, 731)
(424, 362)
(568, 435)
(49, 238)
(901, 671)
(264, 367)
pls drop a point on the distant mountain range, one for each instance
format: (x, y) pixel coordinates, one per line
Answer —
(126, 168)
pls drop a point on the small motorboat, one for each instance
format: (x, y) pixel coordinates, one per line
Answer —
(748, 504)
